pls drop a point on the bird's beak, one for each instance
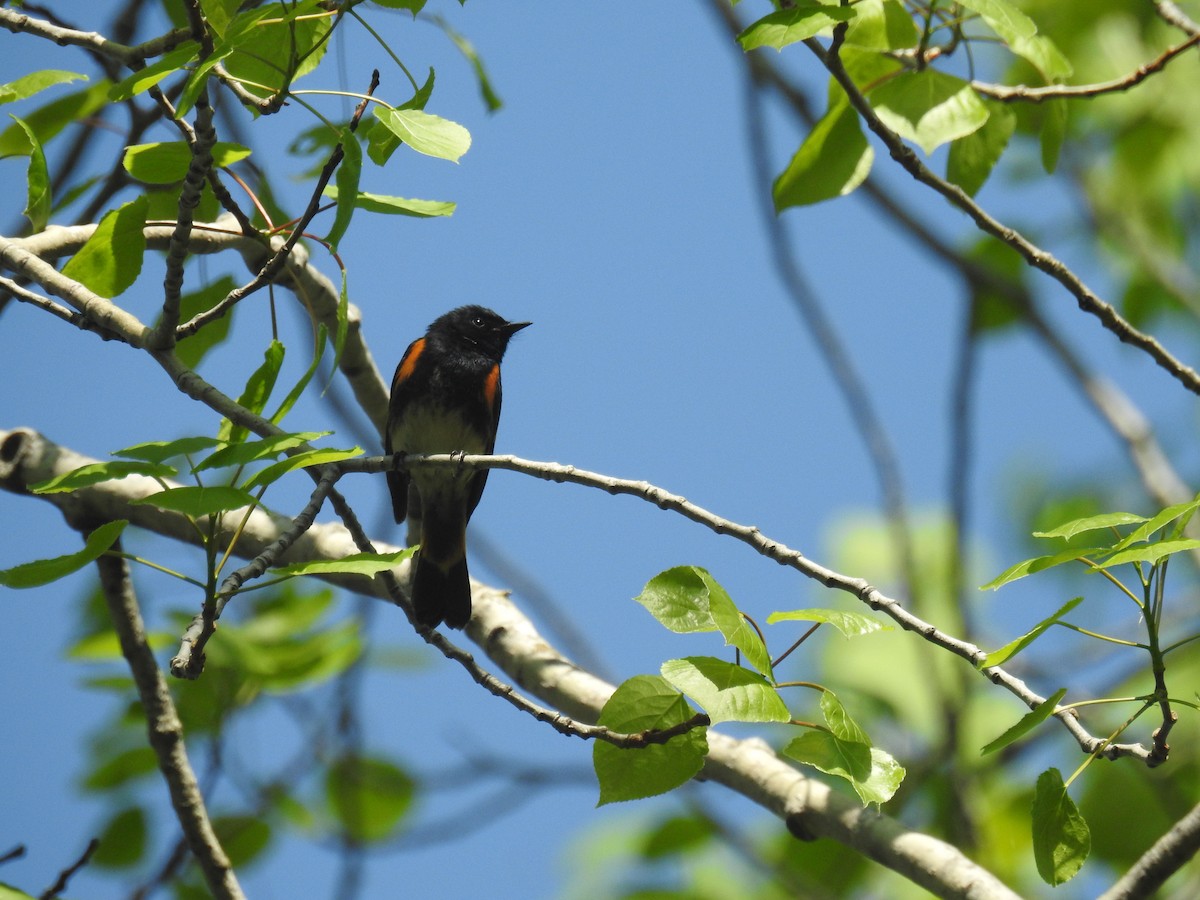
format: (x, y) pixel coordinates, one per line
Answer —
(512, 328)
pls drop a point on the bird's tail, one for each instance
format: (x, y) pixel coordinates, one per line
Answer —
(441, 587)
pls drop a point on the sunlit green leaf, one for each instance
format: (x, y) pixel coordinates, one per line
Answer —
(643, 703)
(197, 501)
(318, 457)
(850, 624)
(834, 159)
(1012, 648)
(972, 157)
(354, 564)
(929, 107)
(36, 82)
(168, 162)
(49, 120)
(841, 725)
(95, 473)
(1104, 521)
(1027, 723)
(111, 260)
(256, 392)
(191, 350)
(725, 691)
(349, 172)
(38, 200)
(1179, 513)
(1150, 553)
(831, 755)
(161, 451)
(1020, 33)
(44, 571)
(882, 25)
(798, 22)
(1061, 839)
(399, 206)
(145, 78)
(688, 599)
(1040, 564)
(426, 133)
(255, 450)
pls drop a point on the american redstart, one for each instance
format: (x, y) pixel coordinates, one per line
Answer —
(446, 399)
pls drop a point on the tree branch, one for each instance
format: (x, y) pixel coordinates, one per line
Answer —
(166, 731)
(749, 767)
(1040, 259)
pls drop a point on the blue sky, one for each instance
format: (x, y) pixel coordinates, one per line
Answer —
(610, 202)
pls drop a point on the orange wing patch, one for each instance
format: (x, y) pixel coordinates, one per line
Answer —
(409, 362)
(490, 384)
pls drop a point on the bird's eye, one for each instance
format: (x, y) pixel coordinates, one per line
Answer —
(477, 322)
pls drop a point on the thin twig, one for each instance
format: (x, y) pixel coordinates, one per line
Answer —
(774, 550)
(1010, 94)
(64, 877)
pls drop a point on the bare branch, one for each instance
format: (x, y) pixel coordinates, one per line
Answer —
(166, 731)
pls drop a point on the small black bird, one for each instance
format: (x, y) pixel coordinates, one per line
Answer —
(446, 399)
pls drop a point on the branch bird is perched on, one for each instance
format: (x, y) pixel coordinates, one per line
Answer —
(446, 399)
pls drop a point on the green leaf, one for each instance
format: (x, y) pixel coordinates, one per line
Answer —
(1040, 564)
(1019, 32)
(490, 98)
(122, 840)
(145, 78)
(841, 725)
(1061, 839)
(8, 892)
(834, 159)
(168, 162)
(1104, 521)
(368, 564)
(111, 260)
(883, 782)
(95, 473)
(197, 500)
(369, 796)
(276, 44)
(103, 646)
(243, 838)
(381, 140)
(52, 118)
(36, 82)
(1027, 723)
(426, 133)
(319, 457)
(1012, 648)
(850, 624)
(646, 702)
(160, 451)
(124, 767)
(256, 450)
(830, 754)
(728, 693)
(413, 6)
(1150, 553)
(882, 25)
(191, 350)
(38, 200)
(256, 392)
(44, 571)
(298, 388)
(348, 174)
(972, 157)
(220, 14)
(688, 599)
(787, 26)
(398, 206)
(929, 107)
(1180, 512)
